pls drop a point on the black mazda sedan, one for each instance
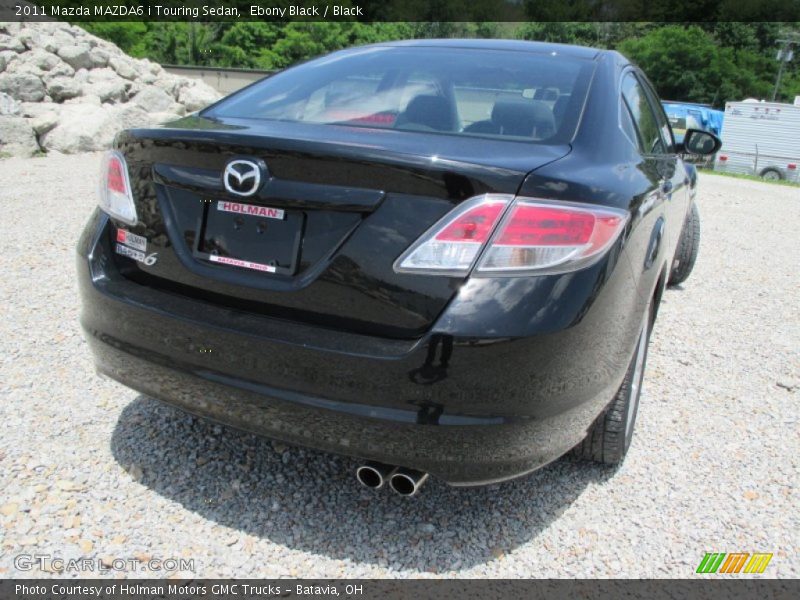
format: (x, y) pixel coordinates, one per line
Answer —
(438, 257)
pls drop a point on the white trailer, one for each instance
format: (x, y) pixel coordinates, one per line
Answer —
(761, 138)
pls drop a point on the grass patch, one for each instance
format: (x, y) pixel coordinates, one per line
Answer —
(37, 154)
(752, 178)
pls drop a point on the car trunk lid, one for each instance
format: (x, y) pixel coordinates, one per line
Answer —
(317, 241)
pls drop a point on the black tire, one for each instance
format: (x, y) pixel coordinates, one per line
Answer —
(610, 436)
(688, 247)
(771, 174)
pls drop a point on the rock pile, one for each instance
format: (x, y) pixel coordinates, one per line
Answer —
(62, 89)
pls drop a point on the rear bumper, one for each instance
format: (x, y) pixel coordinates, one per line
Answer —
(468, 408)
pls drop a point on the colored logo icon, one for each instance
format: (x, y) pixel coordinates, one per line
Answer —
(741, 562)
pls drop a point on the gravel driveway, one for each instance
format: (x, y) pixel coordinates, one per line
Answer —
(90, 468)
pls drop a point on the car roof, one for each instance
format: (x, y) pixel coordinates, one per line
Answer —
(492, 44)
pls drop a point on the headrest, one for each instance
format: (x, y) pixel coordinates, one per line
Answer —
(526, 118)
(432, 111)
(560, 107)
(548, 94)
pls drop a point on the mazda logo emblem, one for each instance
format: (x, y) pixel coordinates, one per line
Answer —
(242, 177)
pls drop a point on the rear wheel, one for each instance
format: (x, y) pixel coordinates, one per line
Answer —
(771, 175)
(610, 437)
(689, 245)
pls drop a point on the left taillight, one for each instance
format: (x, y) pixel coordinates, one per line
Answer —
(115, 197)
(531, 236)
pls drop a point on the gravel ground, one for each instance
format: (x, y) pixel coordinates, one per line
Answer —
(90, 468)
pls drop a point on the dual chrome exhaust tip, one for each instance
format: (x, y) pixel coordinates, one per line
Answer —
(375, 475)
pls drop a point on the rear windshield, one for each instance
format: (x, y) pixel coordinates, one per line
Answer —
(489, 93)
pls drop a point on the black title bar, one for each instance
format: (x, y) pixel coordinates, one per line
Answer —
(678, 11)
(705, 587)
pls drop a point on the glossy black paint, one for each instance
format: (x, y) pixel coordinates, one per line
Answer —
(473, 379)
(338, 182)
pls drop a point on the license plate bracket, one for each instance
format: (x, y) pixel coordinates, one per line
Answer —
(250, 237)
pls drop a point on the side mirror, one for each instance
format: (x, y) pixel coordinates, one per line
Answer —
(696, 141)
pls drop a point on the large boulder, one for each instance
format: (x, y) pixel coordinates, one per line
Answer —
(6, 56)
(17, 137)
(95, 75)
(77, 56)
(32, 110)
(108, 91)
(8, 42)
(197, 95)
(99, 57)
(155, 99)
(8, 106)
(105, 84)
(44, 122)
(61, 69)
(25, 87)
(40, 59)
(126, 116)
(123, 66)
(171, 84)
(23, 66)
(79, 129)
(56, 40)
(62, 88)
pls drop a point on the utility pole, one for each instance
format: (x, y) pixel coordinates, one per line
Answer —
(785, 54)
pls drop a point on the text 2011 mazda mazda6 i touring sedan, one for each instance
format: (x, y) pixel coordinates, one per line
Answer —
(439, 257)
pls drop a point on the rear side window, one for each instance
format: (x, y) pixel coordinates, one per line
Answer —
(643, 117)
(661, 118)
(626, 122)
(487, 93)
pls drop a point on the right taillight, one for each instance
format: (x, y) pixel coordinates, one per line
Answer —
(542, 237)
(115, 197)
(528, 236)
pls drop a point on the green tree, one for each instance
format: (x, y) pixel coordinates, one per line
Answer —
(598, 35)
(243, 44)
(686, 63)
(127, 35)
(585, 34)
